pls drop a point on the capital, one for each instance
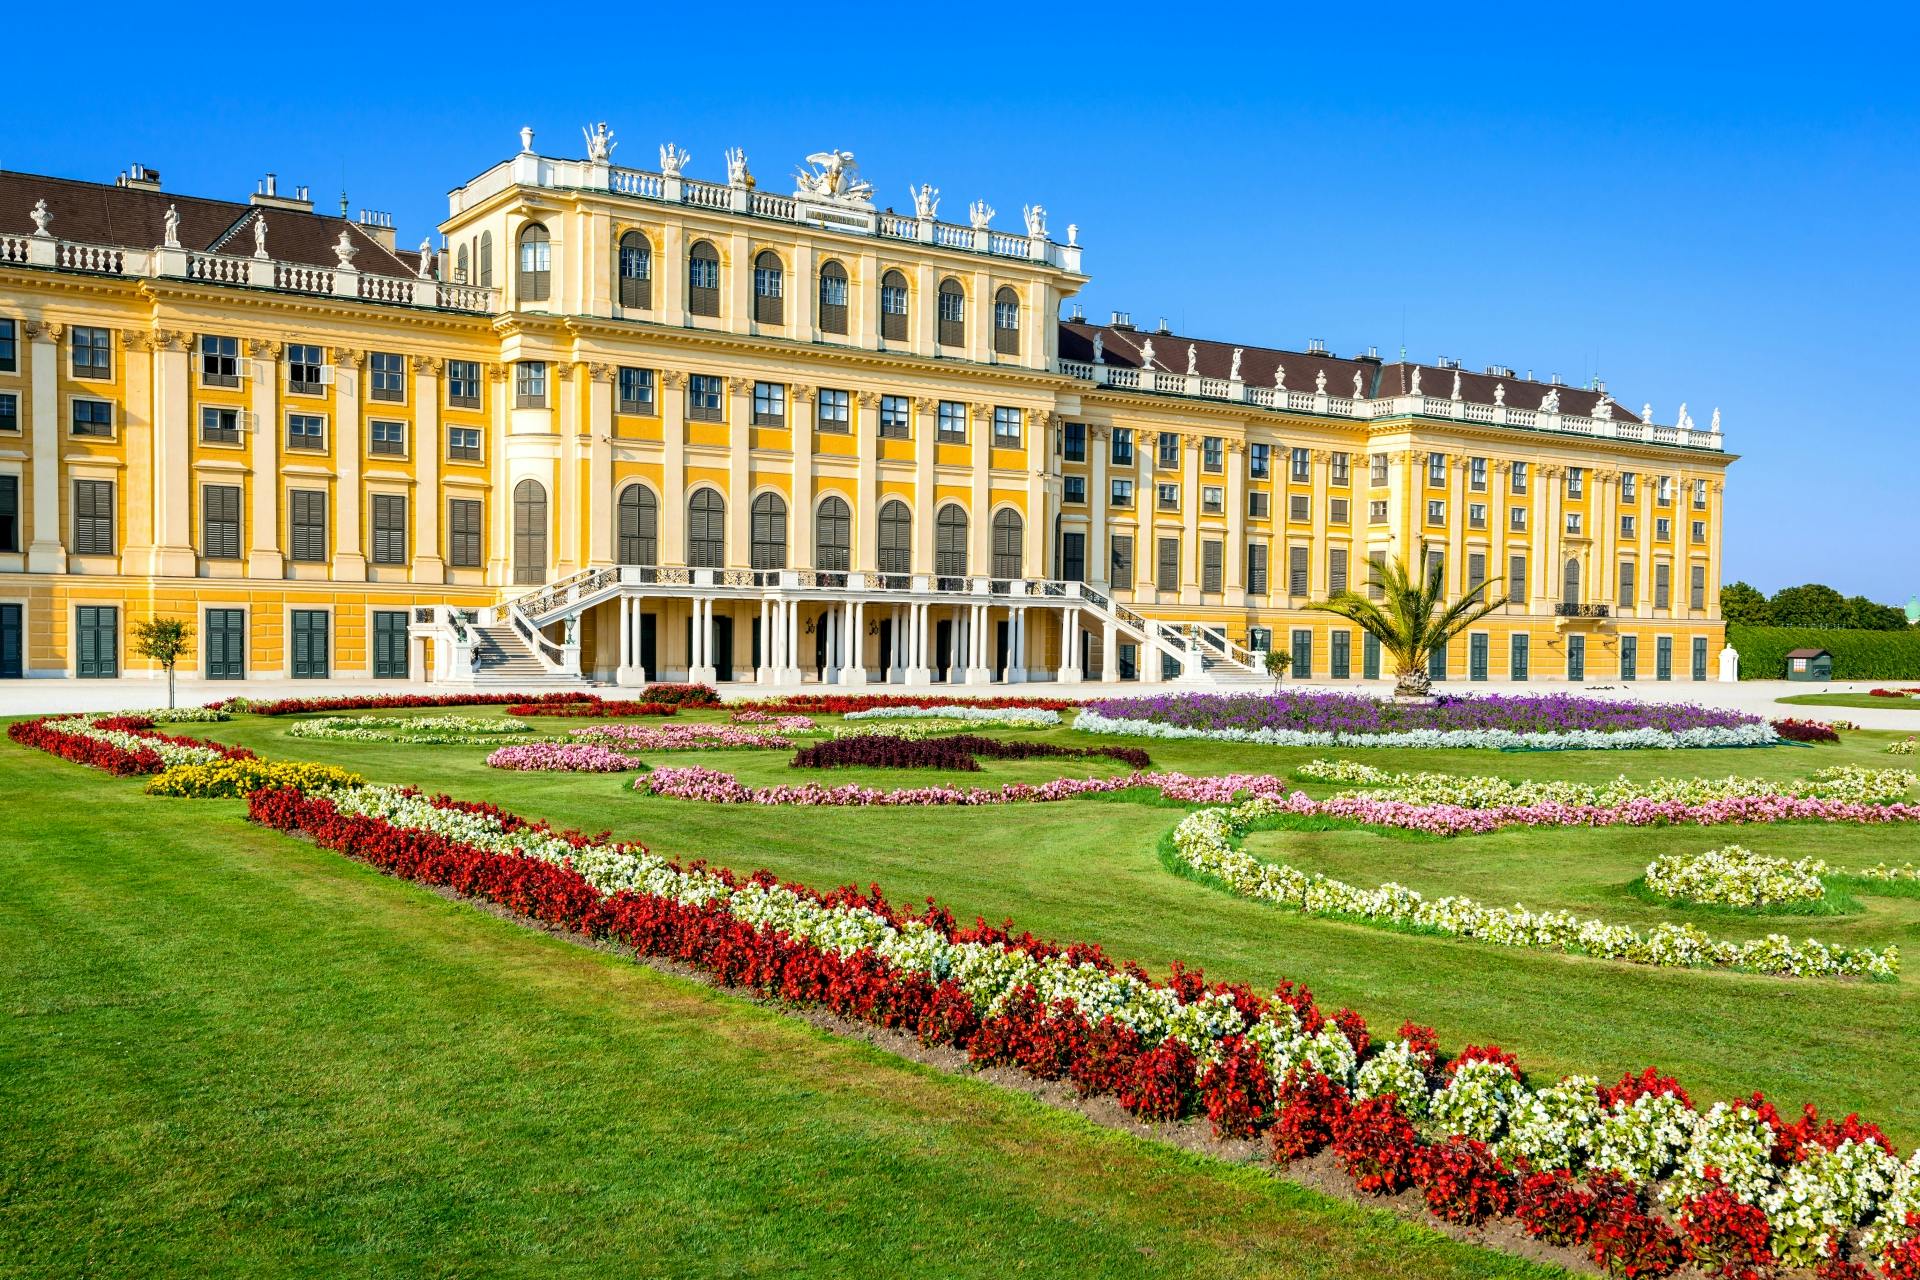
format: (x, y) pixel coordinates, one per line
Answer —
(45, 331)
(739, 386)
(264, 348)
(673, 379)
(346, 357)
(599, 371)
(869, 399)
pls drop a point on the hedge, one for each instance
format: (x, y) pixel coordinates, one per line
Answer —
(1857, 655)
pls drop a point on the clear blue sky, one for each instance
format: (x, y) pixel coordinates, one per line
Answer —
(1716, 207)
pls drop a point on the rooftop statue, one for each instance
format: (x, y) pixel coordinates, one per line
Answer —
(1320, 382)
(426, 259)
(1233, 374)
(1500, 393)
(1550, 403)
(737, 175)
(1715, 428)
(260, 236)
(343, 249)
(1279, 377)
(1456, 384)
(672, 160)
(1036, 216)
(1193, 360)
(1683, 419)
(41, 217)
(600, 143)
(926, 201)
(833, 176)
(1646, 412)
(1359, 386)
(979, 214)
(1146, 354)
(1099, 350)
(172, 224)
(1416, 381)
(1603, 408)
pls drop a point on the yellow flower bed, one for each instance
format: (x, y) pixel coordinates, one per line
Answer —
(220, 779)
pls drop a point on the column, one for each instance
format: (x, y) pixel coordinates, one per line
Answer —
(499, 506)
(793, 640)
(428, 564)
(1017, 646)
(1110, 652)
(739, 480)
(926, 422)
(566, 490)
(673, 480)
(896, 664)
(264, 557)
(173, 554)
(1456, 526)
(918, 671)
(980, 497)
(866, 490)
(1234, 573)
(47, 553)
(1036, 438)
(762, 674)
(1189, 522)
(1070, 672)
(136, 431)
(1099, 558)
(703, 671)
(349, 557)
(800, 519)
(599, 509)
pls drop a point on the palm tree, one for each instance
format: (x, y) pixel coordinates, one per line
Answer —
(1411, 619)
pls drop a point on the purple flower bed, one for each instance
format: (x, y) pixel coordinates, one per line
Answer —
(957, 752)
(1354, 713)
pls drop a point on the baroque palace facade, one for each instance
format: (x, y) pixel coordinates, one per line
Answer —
(626, 424)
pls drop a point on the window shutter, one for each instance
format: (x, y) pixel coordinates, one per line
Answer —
(1296, 571)
(1210, 572)
(220, 518)
(463, 533)
(1257, 568)
(1336, 570)
(1167, 571)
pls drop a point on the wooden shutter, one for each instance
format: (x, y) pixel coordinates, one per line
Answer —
(1517, 578)
(639, 526)
(1625, 597)
(1210, 564)
(1167, 570)
(307, 519)
(896, 538)
(389, 528)
(9, 513)
(1476, 569)
(93, 517)
(529, 533)
(1336, 570)
(832, 537)
(950, 543)
(769, 532)
(463, 533)
(220, 521)
(1007, 545)
(1257, 568)
(1296, 571)
(1121, 574)
(706, 530)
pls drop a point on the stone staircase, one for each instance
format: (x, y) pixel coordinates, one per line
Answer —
(502, 659)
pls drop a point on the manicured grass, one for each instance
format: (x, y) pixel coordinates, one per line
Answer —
(228, 1053)
(1090, 870)
(1854, 700)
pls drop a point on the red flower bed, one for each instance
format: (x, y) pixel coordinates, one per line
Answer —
(397, 701)
(682, 695)
(598, 708)
(81, 749)
(1805, 730)
(958, 751)
(839, 704)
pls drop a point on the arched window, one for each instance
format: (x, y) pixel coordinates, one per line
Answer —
(529, 533)
(896, 538)
(953, 314)
(639, 525)
(769, 289)
(833, 536)
(463, 266)
(833, 298)
(893, 307)
(950, 542)
(1006, 323)
(636, 270)
(703, 279)
(706, 530)
(769, 530)
(1007, 543)
(1570, 582)
(536, 263)
(486, 259)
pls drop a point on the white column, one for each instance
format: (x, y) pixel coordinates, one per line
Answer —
(761, 672)
(792, 640)
(1109, 654)
(702, 642)
(855, 670)
(1017, 646)
(428, 564)
(896, 668)
(629, 614)
(48, 553)
(1070, 672)
(598, 500)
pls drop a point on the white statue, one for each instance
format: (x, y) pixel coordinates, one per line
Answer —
(1099, 349)
(1146, 354)
(1603, 408)
(979, 214)
(1715, 428)
(1279, 377)
(343, 250)
(1233, 374)
(834, 176)
(1320, 382)
(426, 259)
(600, 143)
(1036, 216)
(737, 175)
(1550, 403)
(172, 224)
(672, 160)
(41, 217)
(1193, 360)
(1416, 380)
(1073, 235)
(1646, 411)
(260, 236)
(1456, 384)
(1500, 393)
(1359, 386)
(926, 201)
(1683, 420)
(526, 139)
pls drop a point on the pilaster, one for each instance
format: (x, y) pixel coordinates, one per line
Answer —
(172, 457)
(47, 553)
(264, 557)
(800, 524)
(567, 390)
(673, 484)
(428, 564)
(866, 505)
(598, 510)
(349, 556)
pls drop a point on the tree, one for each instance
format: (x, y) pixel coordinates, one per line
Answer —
(1276, 661)
(1411, 619)
(1742, 603)
(1812, 605)
(165, 641)
(1868, 616)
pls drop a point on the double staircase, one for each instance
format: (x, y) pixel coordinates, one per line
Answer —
(500, 657)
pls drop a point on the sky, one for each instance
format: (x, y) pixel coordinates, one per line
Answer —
(1696, 203)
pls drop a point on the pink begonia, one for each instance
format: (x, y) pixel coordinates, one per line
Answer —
(562, 757)
(781, 724)
(680, 737)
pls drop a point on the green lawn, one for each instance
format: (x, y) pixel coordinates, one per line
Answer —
(1854, 700)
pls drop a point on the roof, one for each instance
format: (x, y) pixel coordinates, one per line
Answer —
(1808, 653)
(1125, 347)
(135, 218)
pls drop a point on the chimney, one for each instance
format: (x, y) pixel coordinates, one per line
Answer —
(266, 194)
(1121, 320)
(379, 224)
(1164, 326)
(1316, 346)
(140, 178)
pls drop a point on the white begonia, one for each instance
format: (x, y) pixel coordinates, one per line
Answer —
(1889, 1222)
(1746, 735)
(1734, 876)
(1009, 717)
(1554, 1127)
(1395, 1069)
(1644, 1139)
(1475, 1102)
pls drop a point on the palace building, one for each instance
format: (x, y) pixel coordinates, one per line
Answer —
(625, 424)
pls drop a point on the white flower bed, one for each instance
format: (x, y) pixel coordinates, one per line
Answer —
(1208, 842)
(418, 730)
(911, 730)
(182, 715)
(1010, 717)
(1746, 735)
(1734, 876)
(1846, 783)
(170, 753)
(1890, 873)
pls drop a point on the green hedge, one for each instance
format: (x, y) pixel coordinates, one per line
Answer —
(1857, 655)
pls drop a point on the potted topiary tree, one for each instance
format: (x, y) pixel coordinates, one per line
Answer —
(1276, 661)
(1411, 619)
(165, 641)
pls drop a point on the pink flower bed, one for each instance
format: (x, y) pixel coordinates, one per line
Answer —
(779, 724)
(562, 757)
(680, 737)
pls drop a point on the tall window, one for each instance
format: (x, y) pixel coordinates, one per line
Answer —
(1213, 453)
(636, 270)
(833, 535)
(1662, 586)
(769, 289)
(706, 530)
(768, 532)
(1296, 571)
(530, 384)
(1166, 564)
(896, 418)
(1570, 581)
(896, 537)
(1436, 470)
(1697, 589)
(536, 263)
(463, 265)
(219, 360)
(1377, 470)
(950, 542)
(1122, 450)
(639, 526)
(1259, 461)
(893, 307)
(1301, 464)
(387, 376)
(1516, 579)
(952, 329)
(1211, 561)
(1256, 568)
(1073, 442)
(463, 533)
(307, 525)
(1006, 323)
(1169, 445)
(1120, 562)
(1624, 594)
(9, 346)
(93, 517)
(1007, 543)
(833, 298)
(769, 404)
(529, 533)
(389, 512)
(9, 513)
(485, 256)
(1519, 477)
(703, 279)
(92, 352)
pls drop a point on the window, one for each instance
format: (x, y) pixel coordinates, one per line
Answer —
(9, 346)
(1699, 657)
(1477, 474)
(1299, 507)
(530, 385)
(833, 535)
(1377, 470)
(639, 526)
(1213, 499)
(311, 656)
(1006, 427)
(389, 528)
(1629, 577)
(220, 522)
(1211, 554)
(1302, 466)
(1629, 657)
(1627, 525)
(953, 422)
(1699, 495)
(1476, 571)
(1336, 570)
(306, 431)
(1342, 468)
(1516, 579)
(1697, 588)
(485, 256)
(703, 279)
(1340, 655)
(92, 352)
(770, 404)
(387, 437)
(1121, 494)
(636, 270)
(1257, 568)
(636, 391)
(1073, 442)
(896, 418)
(769, 289)
(1663, 529)
(1573, 523)
(1008, 537)
(1073, 557)
(1169, 445)
(1166, 568)
(1296, 571)
(950, 542)
(952, 329)
(1301, 668)
(1665, 494)
(1377, 511)
(896, 537)
(92, 418)
(1436, 511)
(1436, 470)
(1437, 664)
(1436, 567)
(1517, 656)
(387, 377)
(9, 513)
(1006, 323)
(536, 263)
(463, 533)
(1517, 519)
(1629, 486)
(1570, 581)
(1167, 496)
(307, 525)
(1122, 450)
(836, 410)
(1376, 566)
(9, 411)
(1699, 530)
(1576, 481)
(893, 307)
(219, 426)
(767, 532)
(463, 443)
(1259, 505)
(1073, 489)
(1662, 586)
(1518, 482)
(1120, 562)
(833, 298)
(706, 530)
(1213, 453)
(1259, 461)
(463, 384)
(219, 361)
(529, 533)
(703, 398)
(97, 645)
(1476, 515)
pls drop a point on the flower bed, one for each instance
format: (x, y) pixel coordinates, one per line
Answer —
(1634, 1172)
(181, 715)
(959, 752)
(1737, 877)
(563, 757)
(779, 724)
(1542, 722)
(682, 695)
(899, 728)
(825, 704)
(1846, 783)
(1904, 747)
(1890, 873)
(122, 745)
(1208, 842)
(1806, 730)
(233, 778)
(681, 737)
(597, 709)
(417, 730)
(394, 702)
(1009, 717)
